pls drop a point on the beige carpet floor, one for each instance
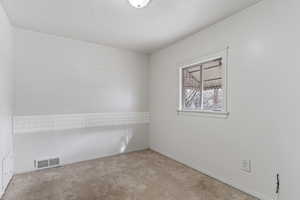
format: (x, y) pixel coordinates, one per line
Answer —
(144, 175)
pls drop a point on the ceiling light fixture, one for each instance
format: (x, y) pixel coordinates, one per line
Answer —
(139, 3)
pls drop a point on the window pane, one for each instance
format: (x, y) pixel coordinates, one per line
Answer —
(213, 94)
(213, 99)
(203, 86)
(191, 90)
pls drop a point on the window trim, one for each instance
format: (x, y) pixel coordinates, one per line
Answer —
(196, 62)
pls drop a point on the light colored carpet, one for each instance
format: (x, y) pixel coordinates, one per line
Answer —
(144, 175)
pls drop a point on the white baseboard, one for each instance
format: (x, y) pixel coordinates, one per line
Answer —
(221, 179)
(3, 191)
(6, 172)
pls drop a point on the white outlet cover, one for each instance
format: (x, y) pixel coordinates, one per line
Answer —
(246, 166)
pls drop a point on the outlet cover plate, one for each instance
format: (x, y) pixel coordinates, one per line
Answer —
(246, 166)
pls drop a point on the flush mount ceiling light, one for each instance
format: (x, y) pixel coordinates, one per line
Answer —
(139, 3)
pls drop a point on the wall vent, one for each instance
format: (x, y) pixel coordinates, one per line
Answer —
(41, 164)
(54, 162)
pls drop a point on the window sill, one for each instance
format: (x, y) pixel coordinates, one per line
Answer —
(213, 114)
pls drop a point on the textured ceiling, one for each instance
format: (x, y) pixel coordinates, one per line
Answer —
(116, 23)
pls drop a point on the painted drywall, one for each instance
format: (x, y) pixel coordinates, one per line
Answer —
(78, 145)
(263, 101)
(56, 75)
(6, 99)
(117, 23)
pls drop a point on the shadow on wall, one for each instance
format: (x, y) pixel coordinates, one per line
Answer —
(78, 144)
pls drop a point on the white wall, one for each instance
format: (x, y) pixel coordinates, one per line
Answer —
(77, 144)
(55, 75)
(263, 98)
(6, 99)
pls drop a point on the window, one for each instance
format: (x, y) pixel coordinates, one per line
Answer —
(203, 86)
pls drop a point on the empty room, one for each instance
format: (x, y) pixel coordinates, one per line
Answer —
(149, 100)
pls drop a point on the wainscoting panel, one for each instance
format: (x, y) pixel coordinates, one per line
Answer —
(38, 123)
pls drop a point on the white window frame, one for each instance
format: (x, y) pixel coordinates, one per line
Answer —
(222, 54)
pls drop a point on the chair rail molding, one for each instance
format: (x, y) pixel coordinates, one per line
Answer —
(39, 123)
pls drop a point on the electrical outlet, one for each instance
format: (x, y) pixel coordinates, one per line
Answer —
(246, 166)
